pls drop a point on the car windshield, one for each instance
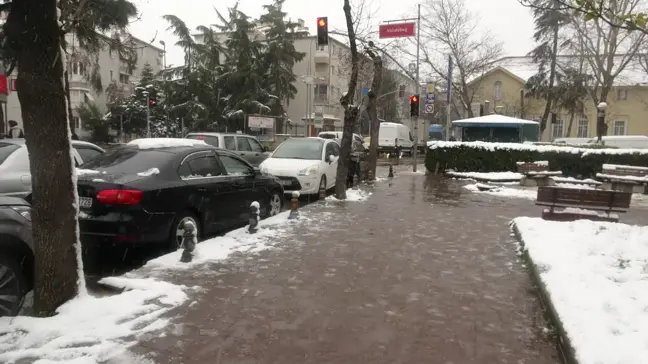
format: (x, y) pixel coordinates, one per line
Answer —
(6, 149)
(127, 160)
(300, 149)
(436, 135)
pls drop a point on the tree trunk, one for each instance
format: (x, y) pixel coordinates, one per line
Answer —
(552, 77)
(571, 123)
(3, 127)
(33, 31)
(350, 110)
(601, 128)
(373, 114)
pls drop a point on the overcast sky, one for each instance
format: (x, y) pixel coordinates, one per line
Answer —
(509, 21)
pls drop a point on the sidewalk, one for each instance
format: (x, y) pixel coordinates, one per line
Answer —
(419, 273)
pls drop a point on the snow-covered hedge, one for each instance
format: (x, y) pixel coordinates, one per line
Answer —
(497, 157)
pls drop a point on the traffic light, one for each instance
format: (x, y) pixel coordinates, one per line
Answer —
(414, 106)
(322, 31)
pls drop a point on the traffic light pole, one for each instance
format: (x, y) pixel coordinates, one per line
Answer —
(417, 88)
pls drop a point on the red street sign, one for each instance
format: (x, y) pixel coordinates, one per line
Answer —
(399, 30)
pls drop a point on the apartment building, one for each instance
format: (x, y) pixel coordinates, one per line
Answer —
(503, 86)
(111, 68)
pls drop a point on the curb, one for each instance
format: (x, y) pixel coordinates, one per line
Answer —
(563, 344)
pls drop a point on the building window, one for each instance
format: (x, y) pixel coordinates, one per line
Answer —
(76, 121)
(123, 78)
(619, 127)
(321, 48)
(78, 68)
(558, 129)
(112, 77)
(622, 94)
(583, 129)
(498, 90)
(321, 92)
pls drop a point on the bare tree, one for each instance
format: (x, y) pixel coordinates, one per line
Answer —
(448, 28)
(607, 50)
(350, 110)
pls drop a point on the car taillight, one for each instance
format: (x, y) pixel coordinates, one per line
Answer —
(120, 197)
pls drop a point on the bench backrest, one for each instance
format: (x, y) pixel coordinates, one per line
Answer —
(614, 200)
(532, 167)
(625, 171)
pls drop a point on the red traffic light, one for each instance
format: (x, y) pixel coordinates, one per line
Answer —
(321, 22)
(413, 98)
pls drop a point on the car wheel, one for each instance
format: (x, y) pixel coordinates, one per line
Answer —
(275, 204)
(177, 230)
(13, 286)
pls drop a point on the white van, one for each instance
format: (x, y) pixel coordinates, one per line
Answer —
(391, 135)
(624, 141)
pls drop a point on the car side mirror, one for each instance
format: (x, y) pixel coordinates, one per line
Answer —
(256, 171)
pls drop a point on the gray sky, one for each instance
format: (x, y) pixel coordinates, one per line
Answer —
(509, 21)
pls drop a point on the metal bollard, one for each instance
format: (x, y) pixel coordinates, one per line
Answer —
(254, 217)
(370, 178)
(294, 205)
(391, 172)
(188, 241)
(398, 155)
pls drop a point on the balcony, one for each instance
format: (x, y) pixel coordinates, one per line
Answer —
(322, 55)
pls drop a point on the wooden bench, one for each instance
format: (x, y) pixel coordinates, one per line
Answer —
(535, 173)
(631, 179)
(557, 181)
(576, 203)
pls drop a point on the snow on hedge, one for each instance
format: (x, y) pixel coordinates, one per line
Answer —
(155, 143)
(534, 148)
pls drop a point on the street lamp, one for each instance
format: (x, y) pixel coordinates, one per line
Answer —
(600, 120)
(164, 47)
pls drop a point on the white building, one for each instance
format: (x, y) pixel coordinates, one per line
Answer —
(111, 67)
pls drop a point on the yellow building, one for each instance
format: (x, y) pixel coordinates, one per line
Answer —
(501, 89)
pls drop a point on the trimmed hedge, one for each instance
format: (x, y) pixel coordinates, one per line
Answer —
(500, 157)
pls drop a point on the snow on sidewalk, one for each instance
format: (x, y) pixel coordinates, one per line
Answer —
(486, 176)
(502, 191)
(352, 194)
(92, 330)
(596, 274)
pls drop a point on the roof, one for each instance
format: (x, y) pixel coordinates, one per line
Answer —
(524, 68)
(494, 119)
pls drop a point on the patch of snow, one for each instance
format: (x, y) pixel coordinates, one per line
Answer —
(487, 176)
(539, 163)
(255, 204)
(614, 177)
(596, 274)
(502, 191)
(85, 172)
(155, 143)
(352, 194)
(221, 247)
(98, 180)
(89, 328)
(150, 172)
(579, 211)
(587, 181)
(618, 166)
(576, 186)
(543, 173)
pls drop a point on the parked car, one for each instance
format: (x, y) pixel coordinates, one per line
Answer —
(16, 254)
(145, 191)
(338, 135)
(15, 176)
(307, 165)
(246, 146)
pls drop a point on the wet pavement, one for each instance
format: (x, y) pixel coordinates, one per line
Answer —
(422, 272)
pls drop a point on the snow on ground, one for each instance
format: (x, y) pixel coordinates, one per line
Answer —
(221, 247)
(502, 191)
(596, 274)
(91, 329)
(153, 143)
(352, 194)
(486, 176)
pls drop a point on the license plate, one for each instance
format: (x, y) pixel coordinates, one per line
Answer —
(85, 202)
(286, 183)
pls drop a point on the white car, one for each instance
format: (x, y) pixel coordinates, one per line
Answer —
(306, 165)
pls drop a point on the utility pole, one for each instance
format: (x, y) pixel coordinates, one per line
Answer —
(121, 128)
(417, 88)
(148, 114)
(449, 98)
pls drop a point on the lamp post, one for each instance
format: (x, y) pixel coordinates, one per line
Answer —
(164, 57)
(600, 121)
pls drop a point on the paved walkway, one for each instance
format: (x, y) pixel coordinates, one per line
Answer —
(423, 272)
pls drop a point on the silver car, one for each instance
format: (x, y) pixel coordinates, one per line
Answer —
(15, 177)
(246, 146)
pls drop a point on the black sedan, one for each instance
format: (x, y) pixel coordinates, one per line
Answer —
(135, 194)
(16, 254)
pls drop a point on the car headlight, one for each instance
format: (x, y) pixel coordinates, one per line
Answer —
(264, 169)
(308, 171)
(23, 211)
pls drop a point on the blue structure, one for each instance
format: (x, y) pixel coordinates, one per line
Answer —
(436, 132)
(498, 128)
